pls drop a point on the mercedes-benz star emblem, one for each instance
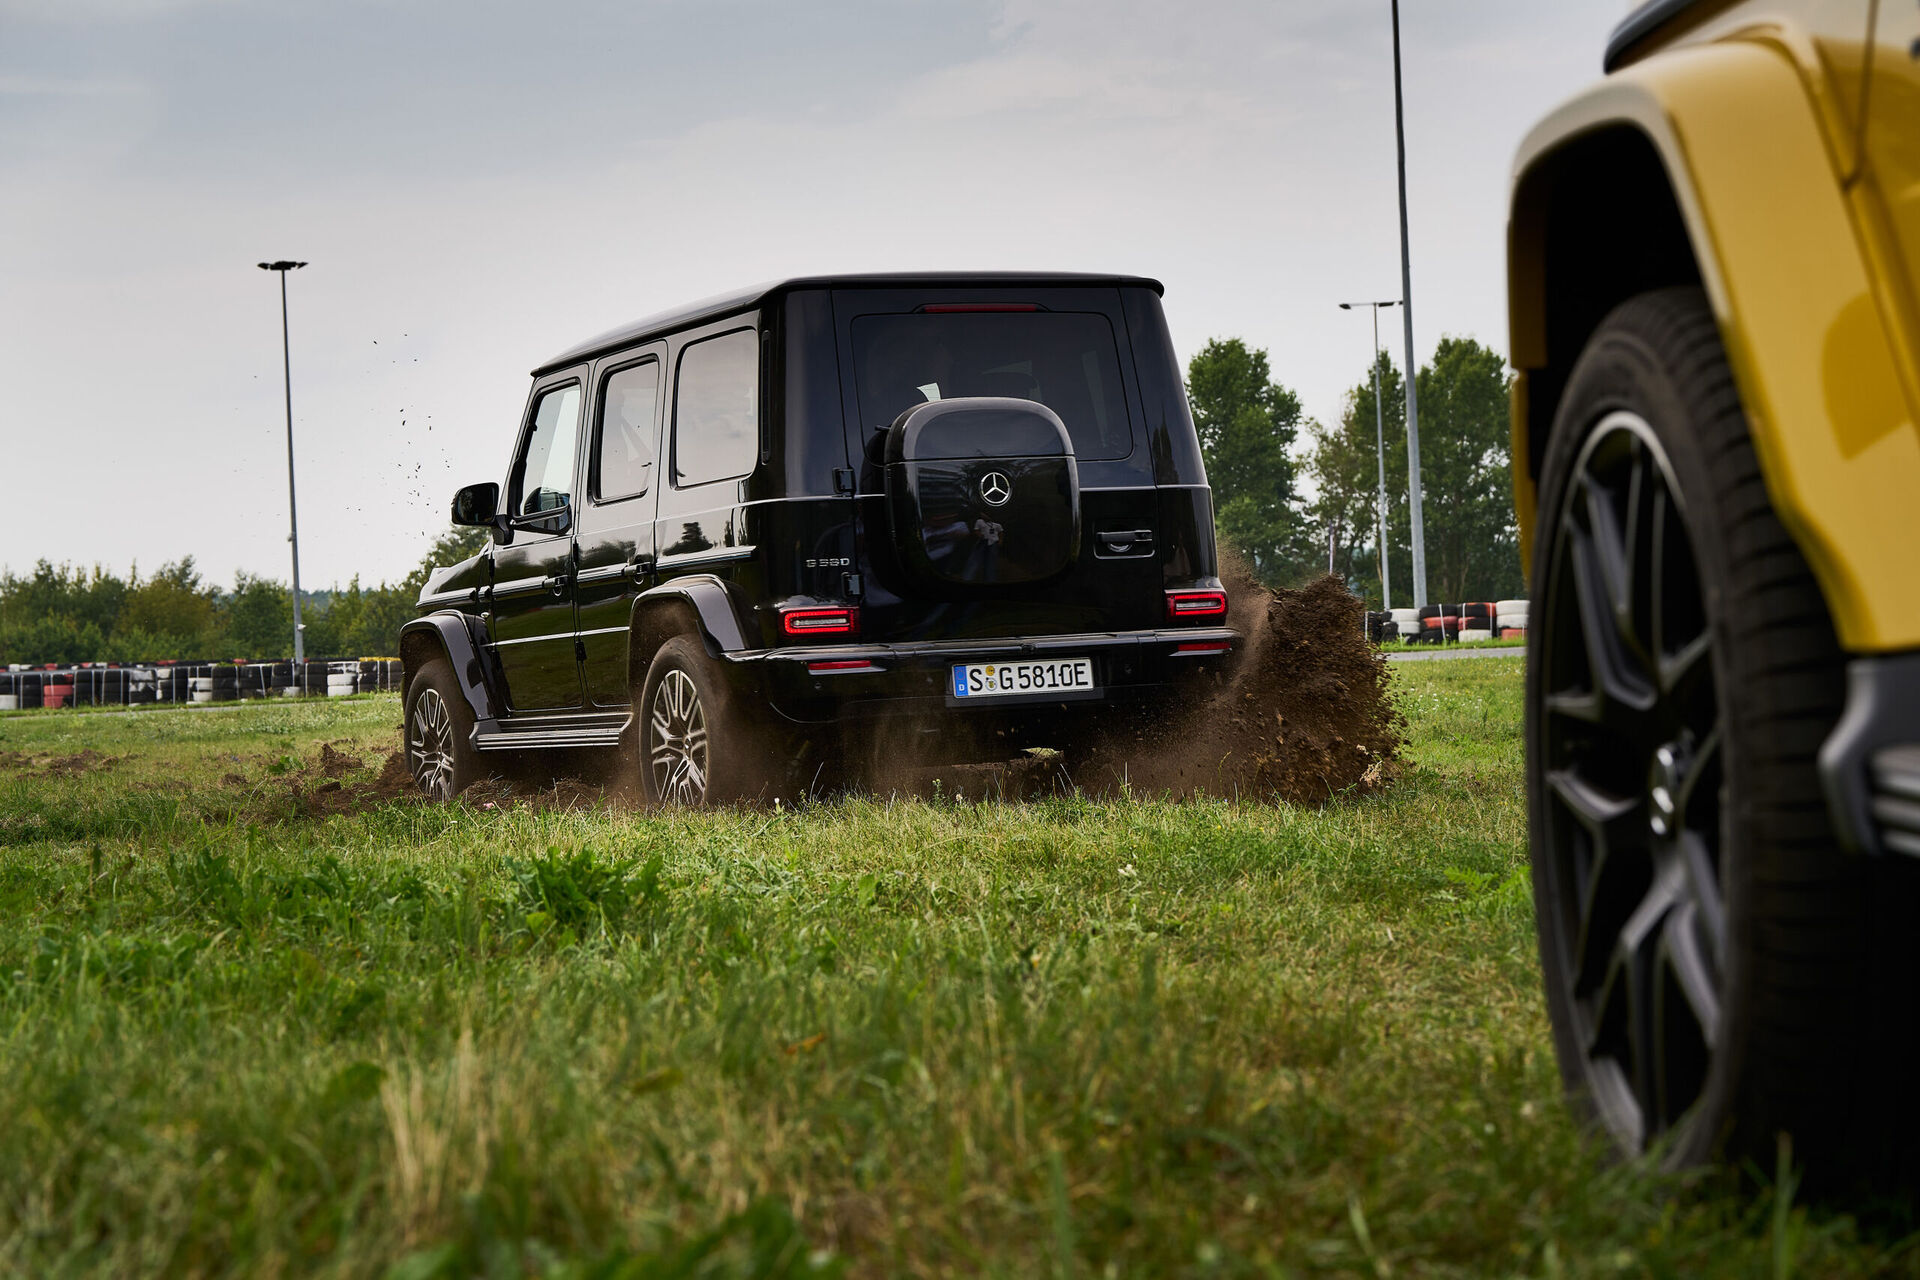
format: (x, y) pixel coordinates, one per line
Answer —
(996, 488)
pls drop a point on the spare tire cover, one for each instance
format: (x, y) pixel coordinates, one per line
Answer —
(983, 492)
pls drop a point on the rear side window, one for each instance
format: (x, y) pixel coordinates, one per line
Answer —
(716, 409)
(623, 464)
(1063, 359)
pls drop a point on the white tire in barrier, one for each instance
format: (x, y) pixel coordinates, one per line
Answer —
(341, 691)
(9, 702)
(202, 695)
(1470, 634)
(1509, 606)
(1513, 620)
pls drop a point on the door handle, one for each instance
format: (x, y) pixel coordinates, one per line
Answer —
(1121, 541)
(557, 584)
(639, 566)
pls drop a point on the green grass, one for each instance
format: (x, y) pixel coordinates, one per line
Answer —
(1069, 1038)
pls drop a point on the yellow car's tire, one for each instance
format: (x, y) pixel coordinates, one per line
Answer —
(1717, 971)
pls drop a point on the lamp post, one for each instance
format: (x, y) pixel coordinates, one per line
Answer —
(1380, 446)
(293, 513)
(1406, 315)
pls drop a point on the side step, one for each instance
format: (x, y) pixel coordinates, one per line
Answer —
(549, 732)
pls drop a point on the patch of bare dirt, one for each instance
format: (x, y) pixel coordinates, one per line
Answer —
(75, 765)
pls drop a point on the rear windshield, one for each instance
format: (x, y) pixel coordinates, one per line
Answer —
(1064, 360)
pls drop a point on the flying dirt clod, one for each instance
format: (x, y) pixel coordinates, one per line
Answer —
(1304, 714)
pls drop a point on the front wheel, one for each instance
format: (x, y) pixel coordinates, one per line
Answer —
(1717, 970)
(439, 733)
(697, 744)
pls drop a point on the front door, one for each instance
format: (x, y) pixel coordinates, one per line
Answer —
(531, 621)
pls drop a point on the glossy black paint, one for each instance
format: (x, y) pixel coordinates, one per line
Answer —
(982, 494)
(562, 621)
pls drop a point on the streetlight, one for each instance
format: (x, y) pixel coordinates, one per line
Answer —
(293, 514)
(1380, 446)
(1406, 314)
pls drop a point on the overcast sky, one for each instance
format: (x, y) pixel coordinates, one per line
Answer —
(479, 185)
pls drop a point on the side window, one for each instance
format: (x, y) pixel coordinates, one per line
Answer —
(716, 410)
(543, 475)
(623, 458)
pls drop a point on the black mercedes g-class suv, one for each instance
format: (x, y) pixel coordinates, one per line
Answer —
(735, 537)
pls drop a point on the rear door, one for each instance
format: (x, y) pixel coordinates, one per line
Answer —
(712, 446)
(1065, 348)
(615, 534)
(530, 618)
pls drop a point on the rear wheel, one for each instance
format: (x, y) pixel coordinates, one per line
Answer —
(439, 743)
(1717, 971)
(697, 744)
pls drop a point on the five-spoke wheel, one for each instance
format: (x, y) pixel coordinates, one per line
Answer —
(1630, 737)
(697, 744)
(438, 726)
(1717, 971)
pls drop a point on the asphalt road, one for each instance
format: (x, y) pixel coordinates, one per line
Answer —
(1443, 655)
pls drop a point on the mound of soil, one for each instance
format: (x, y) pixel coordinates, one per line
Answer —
(1303, 715)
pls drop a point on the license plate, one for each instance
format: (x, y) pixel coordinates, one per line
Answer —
(1018, 679)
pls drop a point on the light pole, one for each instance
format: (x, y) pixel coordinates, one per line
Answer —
(293, 512)
(1380, 446)
(1406, 315)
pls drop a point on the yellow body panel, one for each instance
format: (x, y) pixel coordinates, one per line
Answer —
(1804, 243)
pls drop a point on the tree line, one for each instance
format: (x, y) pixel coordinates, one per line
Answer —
(62, 613)
(1287, 489)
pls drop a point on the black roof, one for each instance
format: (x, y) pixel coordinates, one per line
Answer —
(746, 299)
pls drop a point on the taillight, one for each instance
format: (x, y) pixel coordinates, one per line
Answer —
(1204, 647)
(1196, 606)
(820, 622)
(963, 308)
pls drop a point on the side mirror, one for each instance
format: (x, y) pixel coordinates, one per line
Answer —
(476, 504)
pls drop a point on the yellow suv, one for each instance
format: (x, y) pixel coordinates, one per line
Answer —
(1714, 293)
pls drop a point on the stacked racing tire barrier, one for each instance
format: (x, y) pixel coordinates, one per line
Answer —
(197, 682)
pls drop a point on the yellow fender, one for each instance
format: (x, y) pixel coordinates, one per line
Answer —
(1814, 314)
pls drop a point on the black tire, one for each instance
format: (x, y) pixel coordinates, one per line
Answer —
(698, 743)
(438, 733)
(1717, 970)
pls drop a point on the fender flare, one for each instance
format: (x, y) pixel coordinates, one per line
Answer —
(705, 597)
(449, 633)
(1815, 342)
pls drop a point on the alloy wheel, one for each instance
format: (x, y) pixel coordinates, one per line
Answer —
(677, 746)
(430, 744)
(1631, 778)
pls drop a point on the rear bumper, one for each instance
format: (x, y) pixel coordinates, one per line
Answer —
(1870, 764)
(916, 677)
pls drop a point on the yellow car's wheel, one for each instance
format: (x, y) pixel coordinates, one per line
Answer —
(1717, 970)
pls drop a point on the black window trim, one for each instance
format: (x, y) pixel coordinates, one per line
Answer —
(656, 355)
(683, 344)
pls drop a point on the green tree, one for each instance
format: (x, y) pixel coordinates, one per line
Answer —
(1248, 424)
(1472, 543)
(259, 618)
(172, 613)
